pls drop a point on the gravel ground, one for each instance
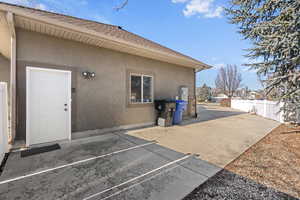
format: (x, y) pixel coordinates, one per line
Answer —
(227, 185)
(269, 170)
(274, 161)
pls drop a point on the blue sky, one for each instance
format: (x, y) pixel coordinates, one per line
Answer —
(197, 28)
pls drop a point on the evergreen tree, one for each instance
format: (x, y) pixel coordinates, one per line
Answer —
(204, 93)
(273, 26)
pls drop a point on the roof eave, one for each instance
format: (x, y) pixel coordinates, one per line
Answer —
(162, 56)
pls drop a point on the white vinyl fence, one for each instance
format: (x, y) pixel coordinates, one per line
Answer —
(264, 108)
(3, 121)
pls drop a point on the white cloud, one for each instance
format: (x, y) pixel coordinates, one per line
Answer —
(197, 6)
(214, 13)
(205, 8)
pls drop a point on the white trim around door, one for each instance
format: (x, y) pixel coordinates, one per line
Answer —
(38, 75)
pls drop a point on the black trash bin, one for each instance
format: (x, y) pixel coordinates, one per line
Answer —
(165, 111)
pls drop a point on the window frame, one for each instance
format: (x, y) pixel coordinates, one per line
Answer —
(142, 88)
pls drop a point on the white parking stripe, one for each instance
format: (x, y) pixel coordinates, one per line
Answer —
(132, 186)
(74, 163)
(138, 177)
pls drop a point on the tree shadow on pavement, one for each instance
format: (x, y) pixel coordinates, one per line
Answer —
(207, 115)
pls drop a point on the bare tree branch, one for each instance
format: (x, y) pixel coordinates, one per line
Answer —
(228, 80)
(121, 6)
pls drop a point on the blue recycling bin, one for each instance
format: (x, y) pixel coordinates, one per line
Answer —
(181, 106)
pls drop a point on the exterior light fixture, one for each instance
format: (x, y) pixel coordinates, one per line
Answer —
(92, 74)
(88, 75)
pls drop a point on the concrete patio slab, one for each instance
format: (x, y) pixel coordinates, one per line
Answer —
(163, 186)
(124, 175)
(200, 166)
(71, 152)
(219, 135)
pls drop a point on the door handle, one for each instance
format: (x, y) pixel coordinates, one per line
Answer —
(66, 104)
(66, 109)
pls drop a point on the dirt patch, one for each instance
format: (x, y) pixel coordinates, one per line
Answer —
(274, 161)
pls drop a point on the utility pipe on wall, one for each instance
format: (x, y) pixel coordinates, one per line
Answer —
(195, 91)
(13, 82)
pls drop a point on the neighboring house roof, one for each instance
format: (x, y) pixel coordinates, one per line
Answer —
(109, 36)
(222, 95)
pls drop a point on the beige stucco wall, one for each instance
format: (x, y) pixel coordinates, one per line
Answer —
(4, 49)
(4, 36)
(102, 102)
(4, 69)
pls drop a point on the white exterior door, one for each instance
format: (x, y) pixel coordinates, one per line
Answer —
(48, 114)
(3, 121)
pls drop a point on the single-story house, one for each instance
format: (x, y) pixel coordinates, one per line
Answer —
(255, 96)
(67, 74)
(219, 98)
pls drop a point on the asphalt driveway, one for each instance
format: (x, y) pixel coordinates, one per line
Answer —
(218, 136)
(109, 166)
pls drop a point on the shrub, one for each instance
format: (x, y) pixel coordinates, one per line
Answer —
(225, 102)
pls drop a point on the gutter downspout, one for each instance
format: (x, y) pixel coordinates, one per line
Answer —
(13, 82)
(195, 92)
(195, 87)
